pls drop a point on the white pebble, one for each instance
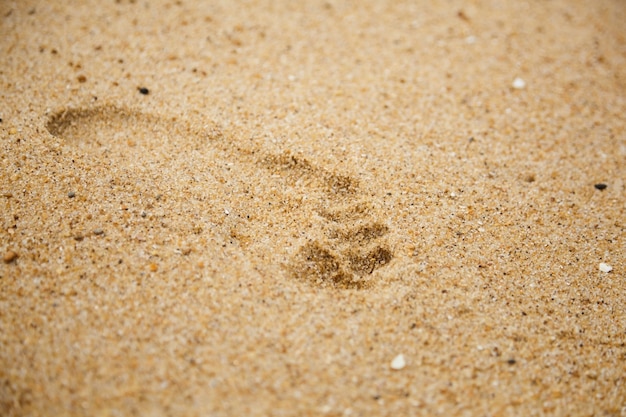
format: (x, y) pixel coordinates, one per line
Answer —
(519, 84)
(605, 267)
(398, 362)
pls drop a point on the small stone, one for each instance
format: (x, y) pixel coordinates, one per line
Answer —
(519, 84)
(398, 362)
(98, 232)
(605, 267)
(530, 178)
(81, 78)
(71, 194)
(600, 186)
(144, 90)
(9, 257)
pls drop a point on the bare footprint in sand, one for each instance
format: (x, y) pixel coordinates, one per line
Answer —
(342, 249)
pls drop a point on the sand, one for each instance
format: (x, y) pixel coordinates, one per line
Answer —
(217, 208)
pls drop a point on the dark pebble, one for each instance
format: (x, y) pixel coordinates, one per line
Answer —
(144, 90)
(600, 186)
(71, 194)
(511, 361)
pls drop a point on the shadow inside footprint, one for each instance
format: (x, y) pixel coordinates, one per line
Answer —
(366, 263)
(298, 168)
(119, 132)
(323, 268)
(348, 258)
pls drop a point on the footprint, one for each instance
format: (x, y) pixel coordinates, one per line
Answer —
(113, 131)
(347, 256)
(297, 168)
(345, 261)
(354, 246)
(345, 244)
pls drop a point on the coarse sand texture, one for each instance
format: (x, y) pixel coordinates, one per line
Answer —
(341, 208)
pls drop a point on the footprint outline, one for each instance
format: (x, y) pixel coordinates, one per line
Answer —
(354, 245)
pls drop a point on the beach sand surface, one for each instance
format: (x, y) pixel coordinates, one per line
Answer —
(342, 208)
